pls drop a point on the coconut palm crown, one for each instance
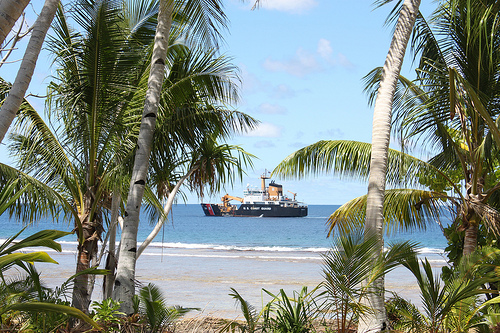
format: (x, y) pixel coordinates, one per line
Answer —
(81, 156)
(450, 112)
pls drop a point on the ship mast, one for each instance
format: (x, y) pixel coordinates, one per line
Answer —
(263, 180)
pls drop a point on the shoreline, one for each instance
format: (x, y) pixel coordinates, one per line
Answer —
(202, 278)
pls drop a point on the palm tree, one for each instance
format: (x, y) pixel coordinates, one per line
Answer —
(380, 144)
(186, 149)
(125, 273)
(451, 107)
(79, 161)
(197, 14)
(11, 105)
(455, 106)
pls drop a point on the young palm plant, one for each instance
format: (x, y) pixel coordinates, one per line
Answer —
(250, 314)
(294, 314)
(158, 317)
(348, 264)
(453, 306)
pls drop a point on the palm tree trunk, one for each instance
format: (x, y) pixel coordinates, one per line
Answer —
(23, 78)
(10, 11)
(109, 279)
(470, 237)
(91, 228)
(125, 273)
(376, 320)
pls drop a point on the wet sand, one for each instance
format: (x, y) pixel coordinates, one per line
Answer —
(202, 278)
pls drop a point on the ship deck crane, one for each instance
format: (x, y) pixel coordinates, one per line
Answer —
(227, 198)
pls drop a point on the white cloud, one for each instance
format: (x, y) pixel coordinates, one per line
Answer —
(301, 64)
(331, 134)
(291, 6)
(283, 91)
(264, 144)
(343, 61)
(305, 62)
(325, 49)
(266, 130)
(271, 109)
(250, 82)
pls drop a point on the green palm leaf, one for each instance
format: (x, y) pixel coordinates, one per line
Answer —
(404, 210)
(441, 304)
(350, 273)
(351, 159)
(43, 238)
(50, 307)
(204, 18)
(38, 199)
(8, 259)
(9, 195)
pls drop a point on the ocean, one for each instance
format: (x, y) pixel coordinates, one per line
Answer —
(196, 259)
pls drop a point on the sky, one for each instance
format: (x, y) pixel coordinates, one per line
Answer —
(301, 64)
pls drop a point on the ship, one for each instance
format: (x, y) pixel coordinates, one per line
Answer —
(268, 201)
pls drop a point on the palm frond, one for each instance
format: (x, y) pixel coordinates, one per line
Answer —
(488, 215)
(38, 200)
(351, 159)
(249, 312)
(215, 165)
(203, 20)
(50, 307)
(40, 153)
(404, 210)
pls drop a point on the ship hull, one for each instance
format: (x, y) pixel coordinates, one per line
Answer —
(256, 210)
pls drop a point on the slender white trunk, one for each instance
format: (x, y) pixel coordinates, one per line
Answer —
(166, 210)
(120, 222)
(125, 273)
(10, 11)
(23, 78)
(376, 320)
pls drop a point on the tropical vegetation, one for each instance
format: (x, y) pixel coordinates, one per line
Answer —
(24, 302)
(78, 166)
(139, 108)
(449, 111)
(336, 304)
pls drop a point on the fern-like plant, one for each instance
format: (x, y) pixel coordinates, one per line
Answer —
(152, 305)
(251, 324)
(291, 314)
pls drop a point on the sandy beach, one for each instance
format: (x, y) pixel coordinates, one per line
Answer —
(202, 278)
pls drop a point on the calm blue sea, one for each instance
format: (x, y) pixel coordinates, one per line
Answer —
(189, 228)
(196, 259)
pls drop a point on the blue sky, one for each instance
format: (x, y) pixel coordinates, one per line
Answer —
(302, 64)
